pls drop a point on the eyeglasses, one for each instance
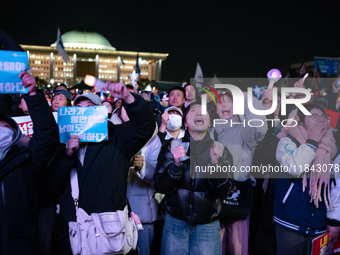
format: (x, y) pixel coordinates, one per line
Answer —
(317, 117)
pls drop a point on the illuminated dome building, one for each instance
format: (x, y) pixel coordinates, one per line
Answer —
(91, 53)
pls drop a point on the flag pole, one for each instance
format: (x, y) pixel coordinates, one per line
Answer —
(311, 87)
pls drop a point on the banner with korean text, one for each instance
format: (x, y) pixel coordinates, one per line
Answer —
(88, 123)
(25, 124)
(12, 63)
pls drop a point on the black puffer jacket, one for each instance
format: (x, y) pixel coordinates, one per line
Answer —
(194, 200)
(19, 174)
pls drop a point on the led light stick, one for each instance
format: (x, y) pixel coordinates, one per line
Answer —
(273, 76)
(94, 82)
(101, 95)
(134, 77)
(304, 77)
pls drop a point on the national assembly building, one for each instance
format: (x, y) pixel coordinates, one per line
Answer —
(91, 53)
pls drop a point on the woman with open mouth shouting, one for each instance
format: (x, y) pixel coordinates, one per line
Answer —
(192, 199)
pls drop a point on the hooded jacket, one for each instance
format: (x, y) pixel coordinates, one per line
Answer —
(19, 172)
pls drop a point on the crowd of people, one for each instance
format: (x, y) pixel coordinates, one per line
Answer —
(149, 163)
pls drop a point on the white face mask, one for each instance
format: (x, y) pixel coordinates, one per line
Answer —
(6, 138)
(174, 122)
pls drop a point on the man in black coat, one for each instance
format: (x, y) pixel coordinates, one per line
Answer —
(102, 168)
(20, 168)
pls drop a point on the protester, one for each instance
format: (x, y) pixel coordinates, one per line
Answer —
(176, 98)
(191, 225)
(60, 87)
(61, 98)
(118, 103)
(140, 192)
(310, 144)
(20, 168)
(163, 102)
(102, 168)
(171, 127)
(190, 94)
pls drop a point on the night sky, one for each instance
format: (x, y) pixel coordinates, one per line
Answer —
(229, 38)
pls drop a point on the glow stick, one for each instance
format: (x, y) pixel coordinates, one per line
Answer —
(134, 77)
(273, 76)
(304, 77)
(94, 82)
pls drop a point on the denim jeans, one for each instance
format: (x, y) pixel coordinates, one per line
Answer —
(145, 238)
(180, 238)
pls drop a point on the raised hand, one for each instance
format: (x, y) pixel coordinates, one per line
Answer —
(216, 152)
(28, 81)
(317, 131)
(72, 145)
(165, 118)
(120, 91)
(177, 153)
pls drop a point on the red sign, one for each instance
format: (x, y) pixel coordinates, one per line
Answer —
(25, 124)
(321, 245)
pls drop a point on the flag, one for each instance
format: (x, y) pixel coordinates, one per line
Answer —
(198, 79)
(137, 64)
(287, 78)
(60, 47)
(333, 117)
(319, 82)
(303, 70)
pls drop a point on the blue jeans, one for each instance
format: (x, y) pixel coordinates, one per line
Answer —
(180, 238)
(145, 238)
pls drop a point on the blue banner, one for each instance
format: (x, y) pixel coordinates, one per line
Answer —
(88, 123)
(327, 65)
(12, 63)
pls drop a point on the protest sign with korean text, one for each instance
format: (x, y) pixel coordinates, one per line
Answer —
(25, 124)
(88, 123)
(322, 246)
(12, 63)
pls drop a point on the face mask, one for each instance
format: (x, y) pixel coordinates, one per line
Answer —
(174, 122)
(6, 138)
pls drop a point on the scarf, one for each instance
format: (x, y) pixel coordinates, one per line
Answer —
(325, 151)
